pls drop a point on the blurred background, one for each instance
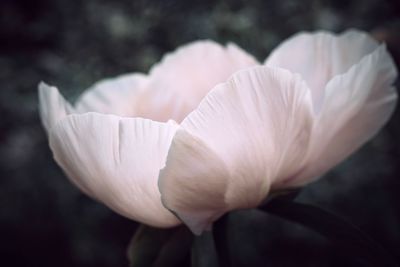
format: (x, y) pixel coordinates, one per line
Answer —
(45, 221)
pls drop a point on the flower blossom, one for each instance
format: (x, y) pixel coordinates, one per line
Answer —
(210, 129)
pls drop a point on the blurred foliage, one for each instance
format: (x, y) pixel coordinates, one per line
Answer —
(45, 221)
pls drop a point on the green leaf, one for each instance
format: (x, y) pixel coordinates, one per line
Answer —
(347, 237)
(153, 247)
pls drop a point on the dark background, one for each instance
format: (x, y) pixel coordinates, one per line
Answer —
(45, 221)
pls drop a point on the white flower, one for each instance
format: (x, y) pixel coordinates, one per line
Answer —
(244, 130)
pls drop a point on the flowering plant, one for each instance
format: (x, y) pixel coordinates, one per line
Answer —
(210, 129)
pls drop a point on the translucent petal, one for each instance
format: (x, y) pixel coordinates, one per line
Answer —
(119, 96)
(318, 57)
(356, 106)
(52, 106)
(246, 134)
(182, 79)
(117, 161)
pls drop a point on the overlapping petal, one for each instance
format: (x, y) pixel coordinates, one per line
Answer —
(246, 133)
(121, 96)
(113, 159)
(318, 57)
(117, 161)
(356, 106)
(182, 79)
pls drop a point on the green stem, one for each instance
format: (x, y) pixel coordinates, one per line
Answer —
(203, 251)
(221, 236)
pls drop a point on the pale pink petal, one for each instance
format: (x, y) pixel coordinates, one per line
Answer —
(320, 56)
(258, 125)
(52, 106)
(119, 96)
(116, 160)
(184, 77)
(194, 182)
(356, 106)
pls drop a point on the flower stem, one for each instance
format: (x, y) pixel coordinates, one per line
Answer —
(203, 251)
(221, 241)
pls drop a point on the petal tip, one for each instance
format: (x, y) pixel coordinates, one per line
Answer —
(42, 85)
(52, 105)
